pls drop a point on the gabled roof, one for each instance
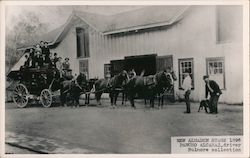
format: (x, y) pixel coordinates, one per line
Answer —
(146, 17)
(142, 18)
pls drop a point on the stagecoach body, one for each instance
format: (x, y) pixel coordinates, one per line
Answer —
(35, 84)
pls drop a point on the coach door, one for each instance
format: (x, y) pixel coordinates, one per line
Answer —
(162, 63)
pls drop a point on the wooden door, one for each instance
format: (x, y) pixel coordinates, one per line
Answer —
(163, 62)
(116, 67)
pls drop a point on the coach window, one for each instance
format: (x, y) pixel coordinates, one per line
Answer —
(82, 41)
(186, 65)
(84, 67)
(216, 70)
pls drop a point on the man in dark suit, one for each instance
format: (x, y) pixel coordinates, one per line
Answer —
(214, 90)
(46, 53)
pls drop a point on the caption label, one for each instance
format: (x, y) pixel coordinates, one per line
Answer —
(207, 144)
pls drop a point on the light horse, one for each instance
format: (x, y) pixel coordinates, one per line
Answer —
(112, 86)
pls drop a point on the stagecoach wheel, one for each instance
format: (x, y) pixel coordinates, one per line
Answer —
(20, 95)
(46, 98)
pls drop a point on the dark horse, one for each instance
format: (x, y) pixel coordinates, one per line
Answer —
(147, 87)
(112, 86)
(72, 89)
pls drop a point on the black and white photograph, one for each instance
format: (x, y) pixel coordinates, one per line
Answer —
(125, 79)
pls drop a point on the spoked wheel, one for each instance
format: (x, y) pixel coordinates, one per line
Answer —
(46, 98)
(21, 95)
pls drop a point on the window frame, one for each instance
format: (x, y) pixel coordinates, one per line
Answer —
(105, 70)
(214, 59)
(180, 74)
(84, 53)
(84, 60)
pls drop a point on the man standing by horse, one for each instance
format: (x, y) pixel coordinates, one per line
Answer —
(214, 90)
(78, 88)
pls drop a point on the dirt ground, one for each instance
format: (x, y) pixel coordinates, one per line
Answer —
(123, 130)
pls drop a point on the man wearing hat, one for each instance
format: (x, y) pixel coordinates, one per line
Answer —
(46, 52)
(66, 64)
(186, 86)
(214, 90)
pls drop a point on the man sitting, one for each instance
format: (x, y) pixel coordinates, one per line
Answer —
(54, 60)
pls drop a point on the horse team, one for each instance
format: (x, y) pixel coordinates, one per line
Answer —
(144, 87)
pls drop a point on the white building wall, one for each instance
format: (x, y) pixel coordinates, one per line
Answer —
(193, 37)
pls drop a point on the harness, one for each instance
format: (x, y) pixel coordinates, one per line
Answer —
(149, 80)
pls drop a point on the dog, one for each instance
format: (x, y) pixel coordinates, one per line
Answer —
(204, 104)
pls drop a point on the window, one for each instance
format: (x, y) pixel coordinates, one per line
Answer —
(82, 41)
(216, 70)
(107, 72)
(186, 65)
(84, 67)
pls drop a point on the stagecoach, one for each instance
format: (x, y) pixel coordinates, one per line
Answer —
(35, 84)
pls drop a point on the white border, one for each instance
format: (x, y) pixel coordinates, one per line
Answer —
(246, 124)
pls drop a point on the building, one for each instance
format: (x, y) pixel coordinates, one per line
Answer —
(203, 39)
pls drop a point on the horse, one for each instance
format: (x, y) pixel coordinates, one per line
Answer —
(72, 89)
(148, 87)
(112, 86)
(160, 95)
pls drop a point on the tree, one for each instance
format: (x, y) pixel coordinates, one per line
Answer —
(27, 29)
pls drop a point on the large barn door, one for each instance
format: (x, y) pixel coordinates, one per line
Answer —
(116, 67)
(140, 63)
(162, 63)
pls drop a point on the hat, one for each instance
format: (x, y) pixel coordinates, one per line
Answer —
(206, 76)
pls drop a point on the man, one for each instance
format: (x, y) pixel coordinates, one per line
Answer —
(27, 61)
(186, 86)
(79, 87)
(66, 64)
(214, 90)
(54, 60)
(42, 44)
(40, 59)
(46, 52)
(132, 73)
(59, 66)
